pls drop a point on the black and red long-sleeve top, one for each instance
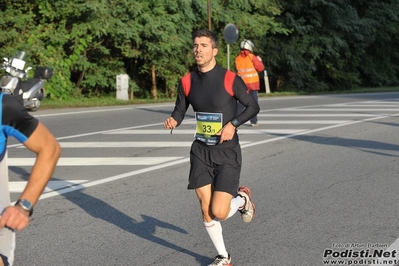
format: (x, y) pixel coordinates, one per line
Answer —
(209, 94)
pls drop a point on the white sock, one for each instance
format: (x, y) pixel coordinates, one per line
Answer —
(235, 204)
(214, 229)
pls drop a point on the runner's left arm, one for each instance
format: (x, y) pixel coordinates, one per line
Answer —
(251, 106)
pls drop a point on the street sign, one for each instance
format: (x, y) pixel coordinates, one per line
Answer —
(231, 33)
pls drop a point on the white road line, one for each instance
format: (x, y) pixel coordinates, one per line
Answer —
(297, 122)
(19, 186)
(125, 144)
(112, 178)
(191, 131)
(106, 110)
(97, 161)
(316, 130)
(341, 109)
(85, 112)
(94, 133)
(395, 101)
(131, 144)
(317, 115)
(294, 122)
(372, 105)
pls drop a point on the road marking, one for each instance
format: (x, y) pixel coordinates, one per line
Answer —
(191, 131)
(19, 186)
(86, 112)
(317, 115)
(372, 105)
(83, 161)
(104, 110)
(112, 178)
(125, 144)
(93, 133)
(316, 130)
(341, 109)
(130, 144)
(297, 122)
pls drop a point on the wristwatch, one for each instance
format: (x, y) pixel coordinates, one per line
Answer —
(26, 205)
(235, 122)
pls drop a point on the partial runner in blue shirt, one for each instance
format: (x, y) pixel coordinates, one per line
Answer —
(18, 123)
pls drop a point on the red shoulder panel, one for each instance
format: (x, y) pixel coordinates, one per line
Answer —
(228, 82)
(186, 82)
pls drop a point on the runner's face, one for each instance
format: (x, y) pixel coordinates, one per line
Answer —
(204, 53)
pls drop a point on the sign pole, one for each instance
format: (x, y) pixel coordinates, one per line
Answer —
(228, 56)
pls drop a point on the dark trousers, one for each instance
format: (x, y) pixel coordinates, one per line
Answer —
(240, 107)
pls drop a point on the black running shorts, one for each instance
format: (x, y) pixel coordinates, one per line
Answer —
(220, 167)
(4, 259)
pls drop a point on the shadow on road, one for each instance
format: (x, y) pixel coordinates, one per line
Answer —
(100, 209)
(365, 145)
(145, 229)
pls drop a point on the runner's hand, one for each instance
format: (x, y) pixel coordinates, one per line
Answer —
(227, 132)
(170, 123)
(14, 218)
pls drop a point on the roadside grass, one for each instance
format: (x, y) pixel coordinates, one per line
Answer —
(111, 100)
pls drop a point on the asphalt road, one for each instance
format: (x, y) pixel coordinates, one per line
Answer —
(323, 172)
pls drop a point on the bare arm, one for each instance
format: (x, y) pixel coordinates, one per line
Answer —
(43, 143)
(47, 150)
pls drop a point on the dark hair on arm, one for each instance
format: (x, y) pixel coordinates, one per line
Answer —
(207, 33)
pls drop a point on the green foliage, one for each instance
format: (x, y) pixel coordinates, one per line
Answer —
(335, 45)
(310, 46)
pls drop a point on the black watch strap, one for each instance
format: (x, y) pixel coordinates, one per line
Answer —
(26, 205)
(235, 122)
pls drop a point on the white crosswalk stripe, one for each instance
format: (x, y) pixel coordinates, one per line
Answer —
(129, 144)
(18, 187)
(315, 115)
(191, 132)
(97, 161)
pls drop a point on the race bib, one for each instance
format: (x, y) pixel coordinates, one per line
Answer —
(208, 124)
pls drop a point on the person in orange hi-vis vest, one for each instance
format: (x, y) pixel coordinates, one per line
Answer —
(248, 65)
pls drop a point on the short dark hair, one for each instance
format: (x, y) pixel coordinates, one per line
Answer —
(207, 33)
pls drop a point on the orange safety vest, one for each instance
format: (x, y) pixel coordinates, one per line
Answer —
(246, 70)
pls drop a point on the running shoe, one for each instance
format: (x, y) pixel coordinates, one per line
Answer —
(248, 209)
(255, 124)
(219, 260)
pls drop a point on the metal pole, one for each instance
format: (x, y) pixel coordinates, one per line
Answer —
(267, 86)
(209, 15)
(228, 56)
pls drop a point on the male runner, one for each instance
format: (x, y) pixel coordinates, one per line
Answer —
(215, 155)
